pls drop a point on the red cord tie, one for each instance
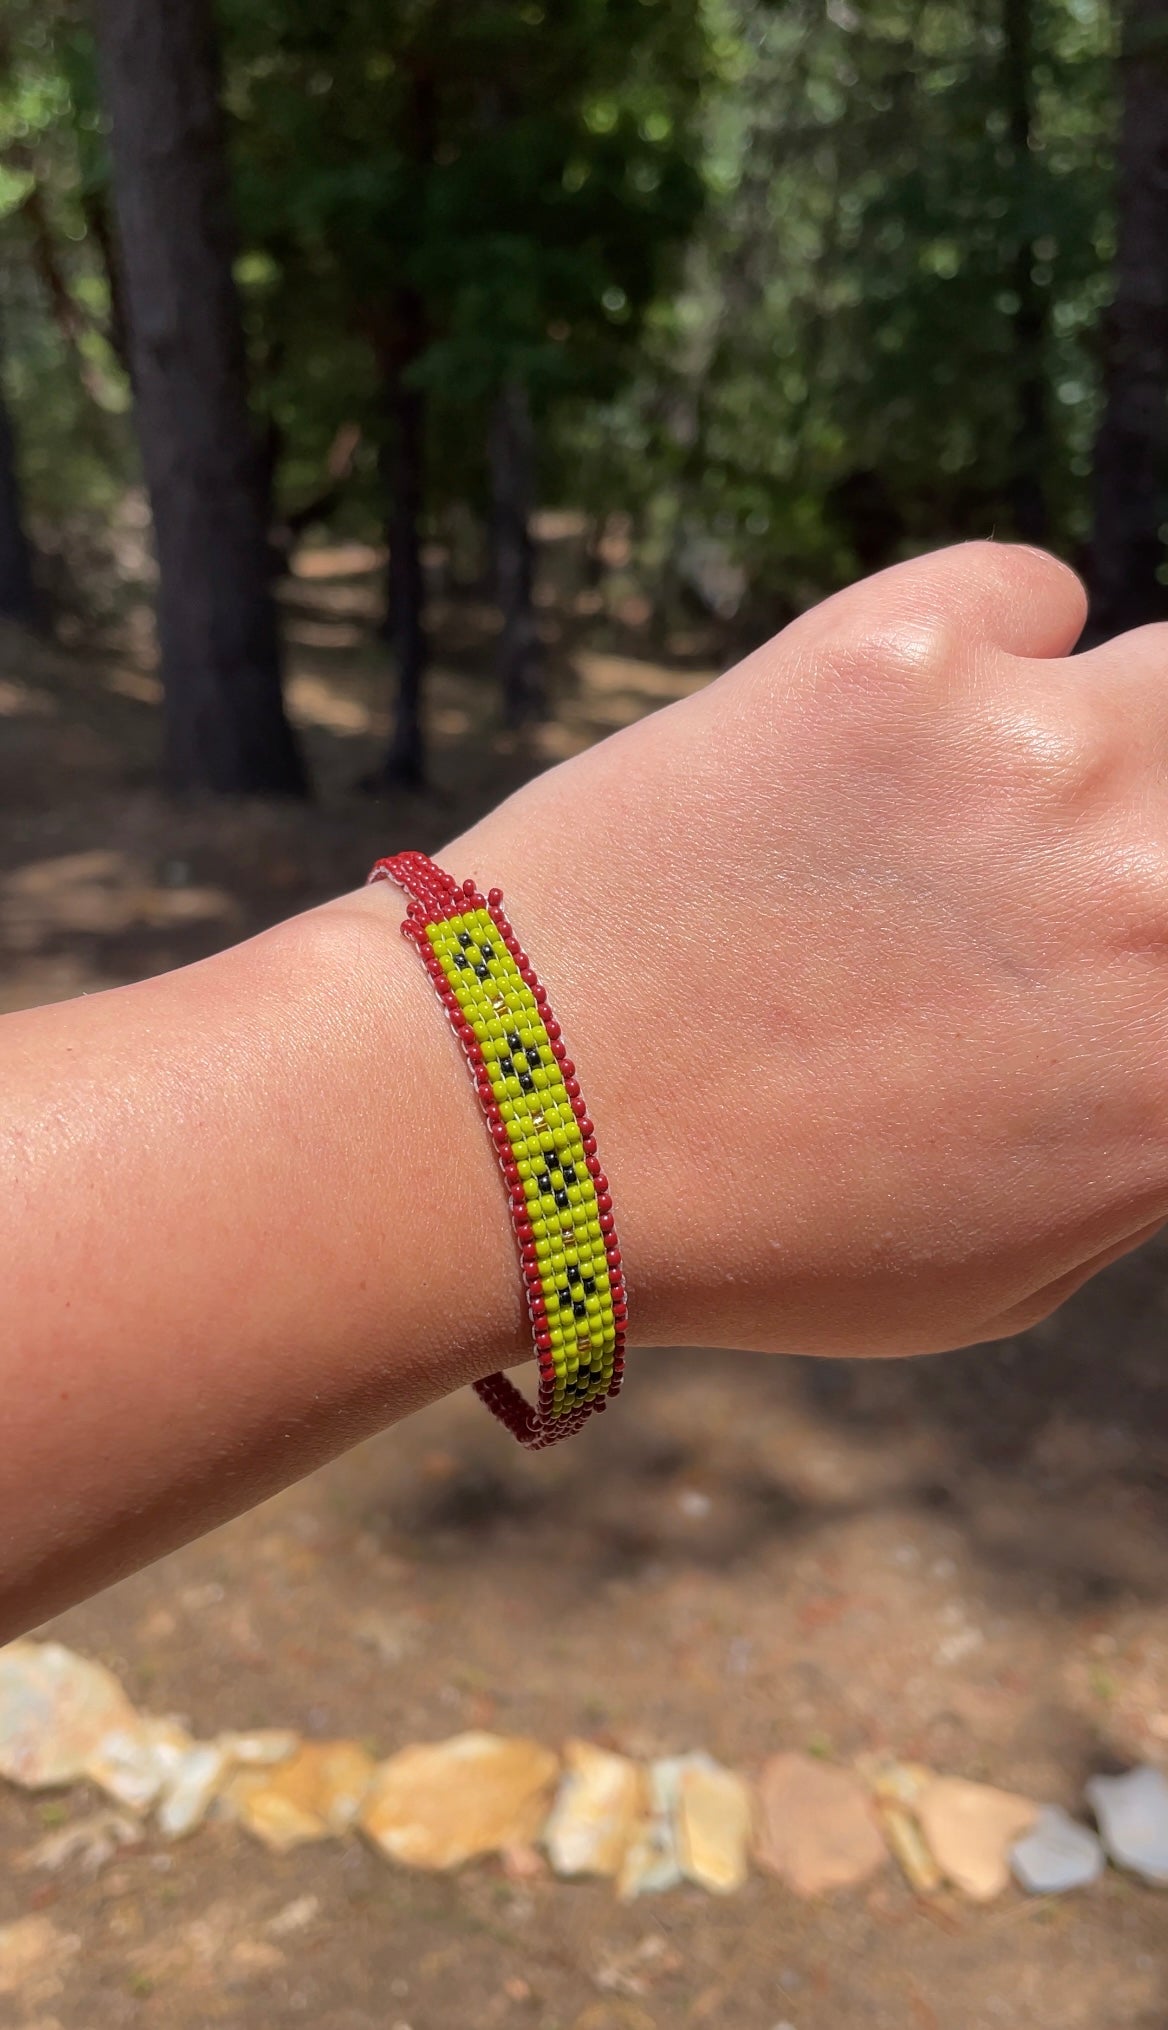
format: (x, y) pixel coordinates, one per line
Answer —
(561, 1209)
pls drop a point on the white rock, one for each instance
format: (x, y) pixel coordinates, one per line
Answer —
(1057, 1854)
(294, 1916)
(1132, 1813)
(260, 1749)
(197, 1780)
(651, 1864)
(134, 1764)
(55, 1708)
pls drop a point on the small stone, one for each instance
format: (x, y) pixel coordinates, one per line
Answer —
(614, 2015)
(1057, 1854)
(601, 1801)
(91, 1841)
(1132, 1815)
(55, 1708)
(650, 1864)
(316, 1793)
(438, 1804)
(816, 1828)
(190, 1788)
(971, 1829)
(261, 1748)
(895, 1789)
(252, 1956)
(133, 1765)
(33, 1953)
(522, 1863)
(302, 1911)
(712, 1824)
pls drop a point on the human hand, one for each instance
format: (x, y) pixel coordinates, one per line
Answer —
(862, 954)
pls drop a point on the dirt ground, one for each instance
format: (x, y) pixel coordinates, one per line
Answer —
(959, 1560)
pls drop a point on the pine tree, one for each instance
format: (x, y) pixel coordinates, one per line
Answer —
(226, 730)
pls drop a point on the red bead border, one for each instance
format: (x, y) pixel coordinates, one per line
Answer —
(436, 896)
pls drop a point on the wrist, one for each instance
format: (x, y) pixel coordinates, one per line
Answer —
(442, 1296)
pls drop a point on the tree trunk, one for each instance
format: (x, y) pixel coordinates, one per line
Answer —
(18, 599)
(226, 730)
(1027, 489)
(512, 461)
(1131, 451)
(403, 463)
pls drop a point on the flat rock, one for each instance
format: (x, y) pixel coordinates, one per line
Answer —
(896, 1787)
(1132, 1815)
(711, 1823)
(601, 1802)
(191, 1787)
(1057, 1854)
(971, 1829)
(816, 1828)
(134, 1764)
(650, 1864)
(438, 1804)
(55, 1709)
(316, 1793)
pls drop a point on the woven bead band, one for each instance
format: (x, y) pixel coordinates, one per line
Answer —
(560, 1204)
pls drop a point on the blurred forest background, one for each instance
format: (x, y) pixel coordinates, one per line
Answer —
(763, 293)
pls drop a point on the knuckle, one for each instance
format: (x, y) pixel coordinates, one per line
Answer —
(1139, 888)
(1055, 751)
(884, 661)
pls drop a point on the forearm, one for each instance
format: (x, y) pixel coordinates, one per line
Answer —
(248, 1214)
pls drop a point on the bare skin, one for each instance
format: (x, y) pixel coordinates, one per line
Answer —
(863, 958)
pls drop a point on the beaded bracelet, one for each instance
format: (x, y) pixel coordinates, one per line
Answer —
(560, 1204)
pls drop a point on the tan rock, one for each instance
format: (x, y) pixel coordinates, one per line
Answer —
(317, 1792)
(614, 2016)
(816, 1828)
(896, 1787)
(55, 1708)
(523, 1863)
(601, 1801)
(711, 1824)
(438, 1804)
(33, 1954)
(907, 1843)
(970, 1829)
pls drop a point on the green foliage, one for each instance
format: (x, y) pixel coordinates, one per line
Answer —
(67, 393)
(757, 265)
(521, 175)
(838, 382)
